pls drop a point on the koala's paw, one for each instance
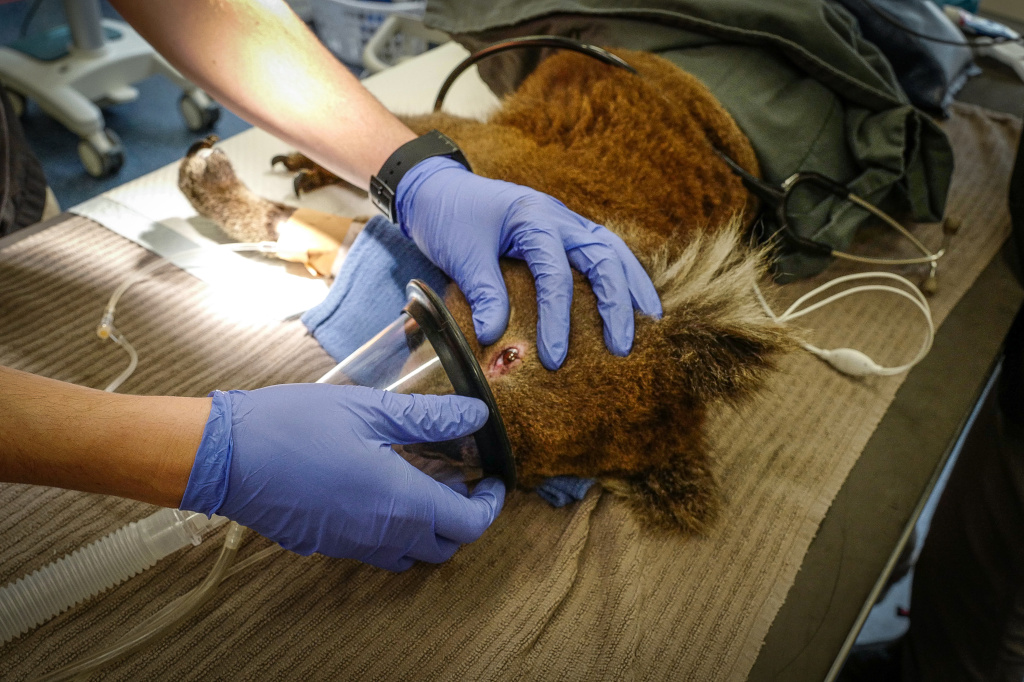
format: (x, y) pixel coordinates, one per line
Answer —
(208, 181)
(686, 500)
(309, 175)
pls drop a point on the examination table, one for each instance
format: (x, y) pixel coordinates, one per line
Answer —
(822, 474)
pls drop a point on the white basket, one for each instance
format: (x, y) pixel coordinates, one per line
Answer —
(399, 38)
(345, 26)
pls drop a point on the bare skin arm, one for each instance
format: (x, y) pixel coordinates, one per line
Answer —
(58, 434)
(261, 61)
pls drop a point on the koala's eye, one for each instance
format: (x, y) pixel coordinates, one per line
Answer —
(505, 360)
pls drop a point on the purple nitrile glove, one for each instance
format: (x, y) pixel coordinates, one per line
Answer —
(310, 466)
(464, 223)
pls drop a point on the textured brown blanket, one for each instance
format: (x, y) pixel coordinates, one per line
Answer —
(574, 593)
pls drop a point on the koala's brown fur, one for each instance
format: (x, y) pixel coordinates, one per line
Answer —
(635, 153)
(208, 181)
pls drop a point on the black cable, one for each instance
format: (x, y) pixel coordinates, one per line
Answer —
(32, 9)
(978, 42)
(559, 42)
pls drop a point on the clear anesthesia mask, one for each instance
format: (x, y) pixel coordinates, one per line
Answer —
(424, 351)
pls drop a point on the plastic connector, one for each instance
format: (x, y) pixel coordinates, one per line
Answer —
(851, 362)
(105, 329)
(930, 285)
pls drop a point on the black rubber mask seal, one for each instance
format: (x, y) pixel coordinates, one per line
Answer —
(465, 375)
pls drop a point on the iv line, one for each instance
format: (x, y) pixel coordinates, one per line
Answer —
(107, 330)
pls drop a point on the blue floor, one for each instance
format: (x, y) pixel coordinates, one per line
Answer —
(151, 128)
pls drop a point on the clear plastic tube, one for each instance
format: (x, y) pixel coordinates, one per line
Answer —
(39, 596)
(106, 329)
(163, 620)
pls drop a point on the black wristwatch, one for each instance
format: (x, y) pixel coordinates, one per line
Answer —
(384, 185)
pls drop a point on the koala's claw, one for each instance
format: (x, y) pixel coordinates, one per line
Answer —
(309, 175)
(309, 179)
(205, 143)
(293, 161)
(302, 182)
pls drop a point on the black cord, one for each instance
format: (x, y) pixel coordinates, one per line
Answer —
(979, 42)
(560, 42)
(32, 9)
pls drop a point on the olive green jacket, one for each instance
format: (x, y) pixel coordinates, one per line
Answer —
(801, 82)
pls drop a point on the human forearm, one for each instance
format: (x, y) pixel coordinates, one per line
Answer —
(59, 434)
(259, 59)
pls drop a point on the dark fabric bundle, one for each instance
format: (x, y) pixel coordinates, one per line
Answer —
(930, 72)
(797, 76)
(22, 185)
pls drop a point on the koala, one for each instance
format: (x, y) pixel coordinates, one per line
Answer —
(636, 153)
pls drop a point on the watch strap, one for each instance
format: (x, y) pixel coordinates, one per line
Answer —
(384, 185)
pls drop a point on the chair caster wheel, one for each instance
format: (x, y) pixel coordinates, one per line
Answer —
(101, 154)
(18, 103)
(199, 111)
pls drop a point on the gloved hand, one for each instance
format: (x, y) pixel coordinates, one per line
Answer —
(310, 466)
(464, 222)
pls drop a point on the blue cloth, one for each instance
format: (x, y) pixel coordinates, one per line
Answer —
(559, 491)
(369, 293)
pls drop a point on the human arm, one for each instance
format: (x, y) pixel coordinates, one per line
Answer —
(260, 60)
(59, 434)
(308, 465)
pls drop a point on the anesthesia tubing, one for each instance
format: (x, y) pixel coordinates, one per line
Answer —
(39, 596)
(163, 620)
(128, 551)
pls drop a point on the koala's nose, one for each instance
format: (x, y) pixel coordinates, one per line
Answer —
(462, 451)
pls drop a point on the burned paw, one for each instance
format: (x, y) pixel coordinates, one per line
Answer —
(208, 181)
(448, 462)
(460, 452)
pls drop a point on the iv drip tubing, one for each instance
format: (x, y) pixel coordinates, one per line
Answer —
(106, 328)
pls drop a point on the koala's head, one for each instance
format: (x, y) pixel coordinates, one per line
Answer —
(635, 422)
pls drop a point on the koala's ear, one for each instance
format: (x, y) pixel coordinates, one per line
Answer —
(720, 338)
(721, 359)
(681, 496)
